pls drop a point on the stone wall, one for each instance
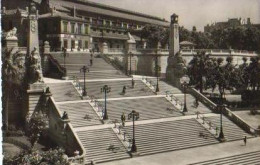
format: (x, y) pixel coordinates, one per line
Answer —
(61, 132)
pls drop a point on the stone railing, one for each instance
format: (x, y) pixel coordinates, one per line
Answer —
(57, 70)
(224, 52)
(227, 112)
(62, 133)
(116, 50)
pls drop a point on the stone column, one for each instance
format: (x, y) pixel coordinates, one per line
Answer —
(45, 61)
(34, 68)
(175, 68)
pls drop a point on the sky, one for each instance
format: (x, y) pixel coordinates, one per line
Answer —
(193, 12)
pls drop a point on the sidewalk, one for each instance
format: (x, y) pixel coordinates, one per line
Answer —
(194, 155)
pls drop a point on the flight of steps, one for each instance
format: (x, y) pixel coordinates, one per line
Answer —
(111, 74)
(250, 158)
(192, 109)
(64, 92)
(164, 86)
(148, 108)
(231, 130)
(75, 61)
(169, 136)
(102, 145)
(94, 88)
(80, 114)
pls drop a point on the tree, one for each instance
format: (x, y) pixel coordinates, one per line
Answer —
(38, 123)
(253, 71)
(13, 76)
(154, 34)
(198, 69)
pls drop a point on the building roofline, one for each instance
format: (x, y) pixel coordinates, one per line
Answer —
(94, 4)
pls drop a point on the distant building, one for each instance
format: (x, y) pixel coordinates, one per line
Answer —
(186, 45)
(233, 22)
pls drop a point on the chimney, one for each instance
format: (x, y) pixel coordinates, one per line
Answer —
(248, 21)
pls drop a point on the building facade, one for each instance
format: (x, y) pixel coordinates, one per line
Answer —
(80, 25)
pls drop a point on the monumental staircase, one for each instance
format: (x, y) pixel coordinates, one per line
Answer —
(162, 126)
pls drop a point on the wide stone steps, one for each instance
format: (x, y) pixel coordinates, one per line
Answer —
(148, 108)
(75, 61)
(164, 86)
(231, 130)
(251, 158)
(168, 136)
(192, 109)
(64, 92)
(102, 145)
(97, 75)
(80, 114)
(94, 89)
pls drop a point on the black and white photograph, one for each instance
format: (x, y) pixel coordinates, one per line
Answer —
(130, 82)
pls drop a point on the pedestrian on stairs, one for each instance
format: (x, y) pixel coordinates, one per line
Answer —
(123, 119)
(133, 83)
(124, 90)
(245, 140)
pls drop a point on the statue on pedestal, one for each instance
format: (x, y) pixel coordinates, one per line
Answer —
(35, 72)
(12, 34)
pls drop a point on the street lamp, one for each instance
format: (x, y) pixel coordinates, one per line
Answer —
(220, 108)
(135, 116)
(157, 69)
(131, 55)
(64, 55)
(106, 89)
(184, 82)
(84, 69)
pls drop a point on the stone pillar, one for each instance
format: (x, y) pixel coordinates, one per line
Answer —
(175, 68)
(45, 61)
(174, 35)
(11, 42)
(104, 48)
(34, 68)
(130, 44)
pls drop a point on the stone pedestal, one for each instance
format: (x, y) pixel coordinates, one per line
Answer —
(104, 48)
(35, 102)
(11, 42)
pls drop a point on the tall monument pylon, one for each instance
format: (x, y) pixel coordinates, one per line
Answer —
(175, 68)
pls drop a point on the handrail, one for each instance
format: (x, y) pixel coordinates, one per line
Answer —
(61, 70)
(80, 158)
(227, 112)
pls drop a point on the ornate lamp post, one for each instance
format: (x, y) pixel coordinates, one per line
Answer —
(184, 82)
(106, 89)
(135, 116)
(84, 69)
(157, 69)
(64, 55)
(130, 70)
(220, 108)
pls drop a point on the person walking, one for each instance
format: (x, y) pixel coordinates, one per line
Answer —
(133, 83)
(124, 90)
(245, 140)
(123, 119)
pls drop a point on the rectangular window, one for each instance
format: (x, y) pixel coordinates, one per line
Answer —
(72, 27)
(86, 44)
(65, 43)
(80, 44)
(86, 29)
(125, 25)
(73, 44)
(79, 28)
(108, 23)
(65, 27)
